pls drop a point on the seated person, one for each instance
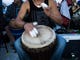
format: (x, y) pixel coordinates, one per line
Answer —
(43, 16)
(2, 23)
(11, 13)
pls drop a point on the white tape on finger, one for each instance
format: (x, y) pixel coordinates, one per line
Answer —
(31, 34)
(35, 30)
(44, 5)
(35, 23)
(34, 34)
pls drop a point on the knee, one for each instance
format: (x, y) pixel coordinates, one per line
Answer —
(61, 41)
(17, 44)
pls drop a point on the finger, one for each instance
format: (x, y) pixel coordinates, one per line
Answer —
(44, 5)
(35, 30)
(35, 23)
(34, 34)
(31, 34)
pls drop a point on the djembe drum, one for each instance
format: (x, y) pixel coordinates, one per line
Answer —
(42, 46)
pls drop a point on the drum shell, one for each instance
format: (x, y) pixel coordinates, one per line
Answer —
(40, 53)
(42, 46)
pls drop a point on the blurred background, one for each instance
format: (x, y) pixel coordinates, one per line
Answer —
(70, 11)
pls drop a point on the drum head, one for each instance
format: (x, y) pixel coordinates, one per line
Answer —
(46, 36)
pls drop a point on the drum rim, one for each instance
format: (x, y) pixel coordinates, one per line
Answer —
(39, 46)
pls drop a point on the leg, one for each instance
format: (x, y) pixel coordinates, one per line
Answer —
(22, 54)
(61, 43)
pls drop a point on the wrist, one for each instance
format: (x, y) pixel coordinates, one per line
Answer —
(24, 25)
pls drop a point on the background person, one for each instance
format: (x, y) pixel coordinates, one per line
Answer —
(11, 13)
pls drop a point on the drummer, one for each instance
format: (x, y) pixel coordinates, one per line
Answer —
(34, 10)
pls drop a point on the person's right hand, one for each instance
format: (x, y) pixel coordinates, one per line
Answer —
(28, 27)
(31, 30)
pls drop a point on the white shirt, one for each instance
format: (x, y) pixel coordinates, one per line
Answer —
(64, 10)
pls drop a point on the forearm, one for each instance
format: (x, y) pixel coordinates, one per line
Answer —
(54, 15)
(57, 19)
(20, 23)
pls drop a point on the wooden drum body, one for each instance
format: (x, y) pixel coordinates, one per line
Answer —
(40, 47)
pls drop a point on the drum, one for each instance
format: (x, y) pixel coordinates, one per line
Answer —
(40, 47)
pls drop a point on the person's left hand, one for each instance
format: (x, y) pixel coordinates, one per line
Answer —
(47, 11)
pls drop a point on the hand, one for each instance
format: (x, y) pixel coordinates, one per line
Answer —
(28, 27)
(31, 30)
(47, 11)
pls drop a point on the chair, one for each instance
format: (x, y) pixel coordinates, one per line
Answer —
(57, 53)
